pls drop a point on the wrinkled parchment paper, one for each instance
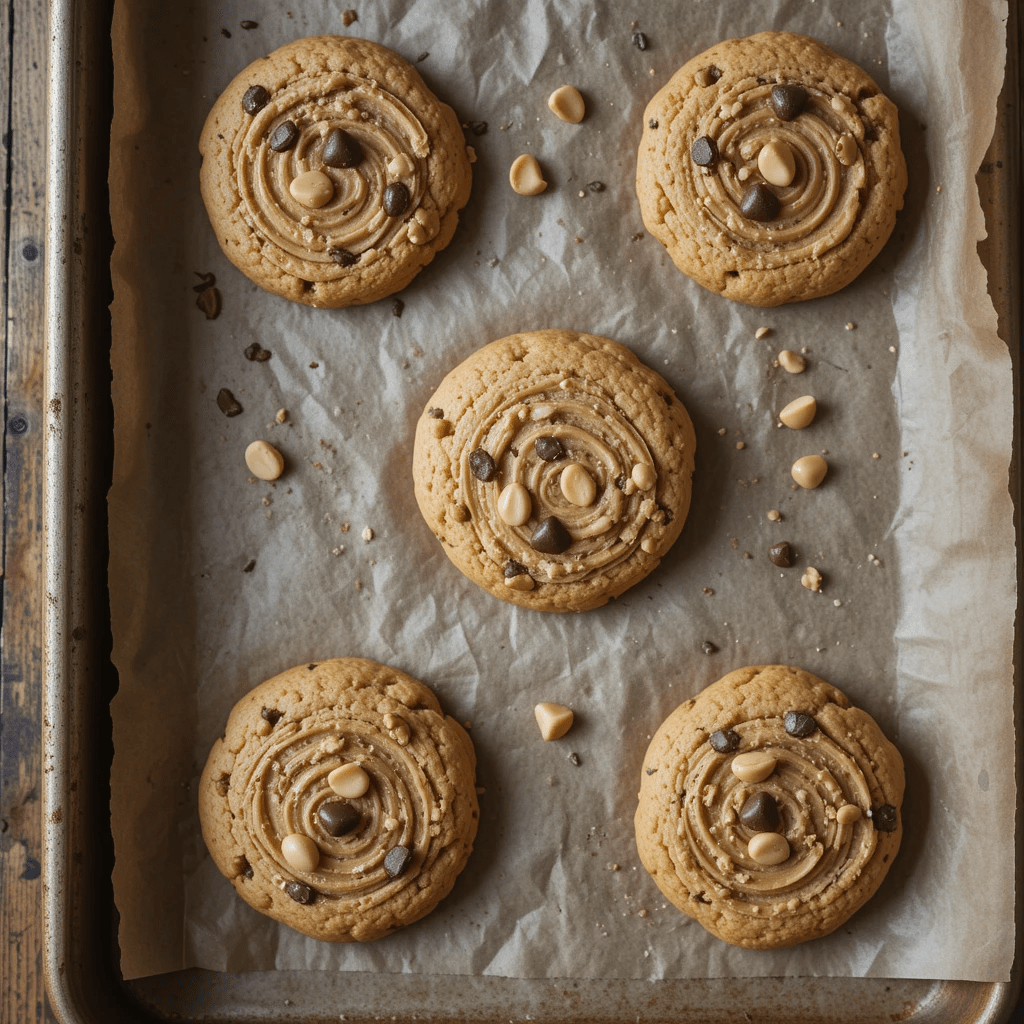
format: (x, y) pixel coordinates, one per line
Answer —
(218, 583)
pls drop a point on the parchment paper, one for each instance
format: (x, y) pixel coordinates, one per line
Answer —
(916, 546)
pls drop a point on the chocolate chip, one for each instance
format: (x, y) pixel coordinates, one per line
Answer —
(714, 74)
(760, 813)
(482, 466)
(397, 307)
(650, 771)
(205, 281)
(396, 199)
(477, 127)
(271, 715)
(208, 300)
(338, 818)
(885, 818)
(780, 555)
(704, 151)
(759, 203)
(343, 257)
(435, 414)
(550, 449)
(708, 647)
(227, 403)
(596, 186)
(788, 100)
(397, 860)
(255, 99)
(256, 353)
(640, 40)
(551, 537)
(300, 893)
(248, 25)
(249, 566)
(652, 123)
(341, 150)
(798, 724)
(284, 136)
(514, 568)
(724, 742)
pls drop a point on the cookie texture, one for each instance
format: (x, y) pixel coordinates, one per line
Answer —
(293, 833)
(555, 469)
(769, 807)
(331, 174)
(770, 168)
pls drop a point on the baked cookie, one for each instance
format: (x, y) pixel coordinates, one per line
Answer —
(770, 168)
(769, 807)
(555, 469)
(340, 800)
(331, 174)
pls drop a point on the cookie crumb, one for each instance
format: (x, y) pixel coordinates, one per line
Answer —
(348, 17)
(338, 551)
(708, 590)
(345, 527)
(774, 515)
(762, 332)
(740, 446)
(837, 603)
(367, 534)
(851, 326)
(282, 416)
(722, 432)
(811, 579)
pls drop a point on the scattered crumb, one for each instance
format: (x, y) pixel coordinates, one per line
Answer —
(851, 326)
(747, 554)
(367, 534)
(892, 348)
(708, 590)
(314, 366)
(282, 415)
(574, 759)
(722, 432)
(938, 188)
(811, 579)
(345, 527)
(249, 566)
(875, 455)
(740, 446)
(774, 515)
(348, 17)
(339, 550)
(266, 501)
(359, 584)
(762, 332)
(837, 603)
(467, 725)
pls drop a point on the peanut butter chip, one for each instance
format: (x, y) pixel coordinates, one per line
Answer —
(525, 177)
(768, 848)
(523, 582)
(848, 814)
(300, 852)
(799, 413)
(776, 163)
(349, 781)
(554, 720)
(809, 471)
(264, 460)
(397, 728)
(578, 485)
(567, 104)
(643, 476)
(846, 149)
(754, 766)
(514, 505)
(313, 189)
(792, 362)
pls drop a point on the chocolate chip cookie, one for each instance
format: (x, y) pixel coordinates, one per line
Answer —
(555, 469)
(769, 807)
(770, 168)
(331, 174)
(341, 800)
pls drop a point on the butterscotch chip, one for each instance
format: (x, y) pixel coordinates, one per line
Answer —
(768, 864)
(554, 720)
(264, 460)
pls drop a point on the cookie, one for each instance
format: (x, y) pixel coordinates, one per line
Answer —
(341, 800)
(555, 469)
(769, 807)
(770, 169)
(331, 174)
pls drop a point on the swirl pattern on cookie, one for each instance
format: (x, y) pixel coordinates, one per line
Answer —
(370, 858)
(555, 468)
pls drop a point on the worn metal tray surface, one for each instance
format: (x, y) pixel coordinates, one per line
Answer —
(81, 958)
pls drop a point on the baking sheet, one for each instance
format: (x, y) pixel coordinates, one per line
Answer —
(921, 637)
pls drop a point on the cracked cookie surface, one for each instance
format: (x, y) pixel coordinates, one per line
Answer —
(770, 168)
(769, 807)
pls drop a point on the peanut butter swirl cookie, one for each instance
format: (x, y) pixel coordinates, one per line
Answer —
(769, 807)
(331, 173)
(340, 800)
(771, 169)
(555, 468)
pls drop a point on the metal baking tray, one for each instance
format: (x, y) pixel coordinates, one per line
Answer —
(81, 955)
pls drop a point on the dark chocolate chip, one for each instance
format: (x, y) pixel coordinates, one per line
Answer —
(596, 186)
(650, 771)
(227, 403)
(708, 647)
(704, 152)
(514, 568)
(248, 25)
(640, 40)
(760, 813)
(284, 136)
(300, 893)
(798, 724)
(343, 257)
(247, 870)
(396, 199)
(788, 100)
(759, 203)
(256, 353)
(885, 818)
(397, 307)
(550, 449)
(482, 466)
(255, 99)
(652, 123)
(341, 150)
(435, 414)
(208, 300)
(397, 860)
(249, 566)
(724, 742)
(205, 281)
(477, 127)
(338, 818)
(714, 74)
(271, 715)
(551, 537)
(574, 759)
(780, 555)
